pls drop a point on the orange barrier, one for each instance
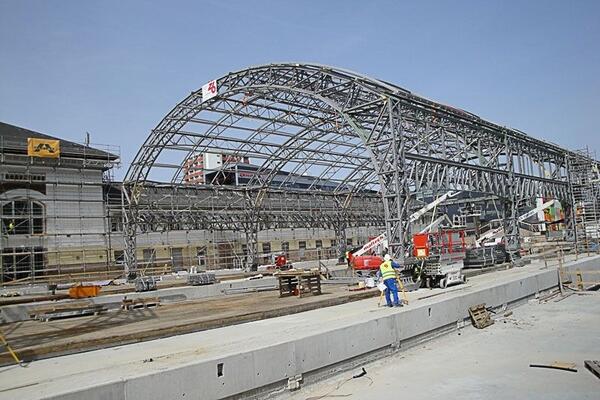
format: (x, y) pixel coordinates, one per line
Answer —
(80, 291)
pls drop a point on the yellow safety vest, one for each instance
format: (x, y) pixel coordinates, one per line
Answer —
(387, 271)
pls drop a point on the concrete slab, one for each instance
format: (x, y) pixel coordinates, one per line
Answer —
(492, 363)
(264, 354)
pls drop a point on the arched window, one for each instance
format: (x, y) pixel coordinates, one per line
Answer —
(23, 217)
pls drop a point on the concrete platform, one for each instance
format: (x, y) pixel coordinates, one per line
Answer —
(259, 357)
(492, 363)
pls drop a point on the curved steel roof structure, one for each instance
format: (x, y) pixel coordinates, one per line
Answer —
(335, 139)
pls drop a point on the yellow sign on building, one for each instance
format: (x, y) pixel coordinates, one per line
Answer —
(43, 148)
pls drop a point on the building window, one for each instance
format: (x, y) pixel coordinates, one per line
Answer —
(201, 254)
(301, 249)
(23, 217)
(116, 223)
(266, 247)
(22, 262)
(149, 257)
(318, 244)
(349, 242)
(119, 257)
(24, 177)
(177, 258)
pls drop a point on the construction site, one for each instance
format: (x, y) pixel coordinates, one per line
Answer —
(261, 209)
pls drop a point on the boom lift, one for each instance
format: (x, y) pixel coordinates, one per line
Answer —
(488, 250)
(494, 233)
(368, 264)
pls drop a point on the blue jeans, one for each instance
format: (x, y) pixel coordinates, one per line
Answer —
(390, 284)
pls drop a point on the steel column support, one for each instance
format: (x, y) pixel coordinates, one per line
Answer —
(339, 229)
(511, 223)
(251, 231)
(252, 226)
(130, 225)
(396, 193)
(569, 207)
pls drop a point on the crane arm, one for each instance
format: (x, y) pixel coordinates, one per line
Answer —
(495, 232)
(419, 213)
(412, 218)
(435, 223)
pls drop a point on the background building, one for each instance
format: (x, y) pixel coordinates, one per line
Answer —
(61, 218)
(53, 207)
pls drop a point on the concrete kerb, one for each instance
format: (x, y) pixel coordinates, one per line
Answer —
(266, 368)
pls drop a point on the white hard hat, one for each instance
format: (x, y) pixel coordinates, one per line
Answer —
(387, 257)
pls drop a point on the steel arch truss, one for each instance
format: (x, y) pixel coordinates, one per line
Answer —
(332, 137)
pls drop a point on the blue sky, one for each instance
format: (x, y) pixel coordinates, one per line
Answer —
(115, 68)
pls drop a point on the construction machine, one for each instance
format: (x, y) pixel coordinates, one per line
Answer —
(441, 255)
(494, 234)
(365, 261)
(279, 262)
(489, 249)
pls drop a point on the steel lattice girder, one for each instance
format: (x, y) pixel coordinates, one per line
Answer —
(355, 134)
(225, 208)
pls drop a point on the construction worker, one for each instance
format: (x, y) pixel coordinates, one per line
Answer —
(11, 226)
(348, 257)
(387, 272)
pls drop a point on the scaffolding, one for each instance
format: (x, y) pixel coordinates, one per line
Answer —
(53, 214)
(586, 197)
(61, 221)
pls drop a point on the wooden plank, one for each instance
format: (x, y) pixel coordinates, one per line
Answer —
(72, 306)
(563, 366)
(480, 316)
(560, 282)
(7, 301)
(579, 280)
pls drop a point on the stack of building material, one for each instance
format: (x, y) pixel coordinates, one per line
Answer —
(145, 283)
(47, 313)
(202, 278)
(299, 283)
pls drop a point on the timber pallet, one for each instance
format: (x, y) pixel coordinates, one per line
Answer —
(593, 366)
(299, 283)
(480, 316)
